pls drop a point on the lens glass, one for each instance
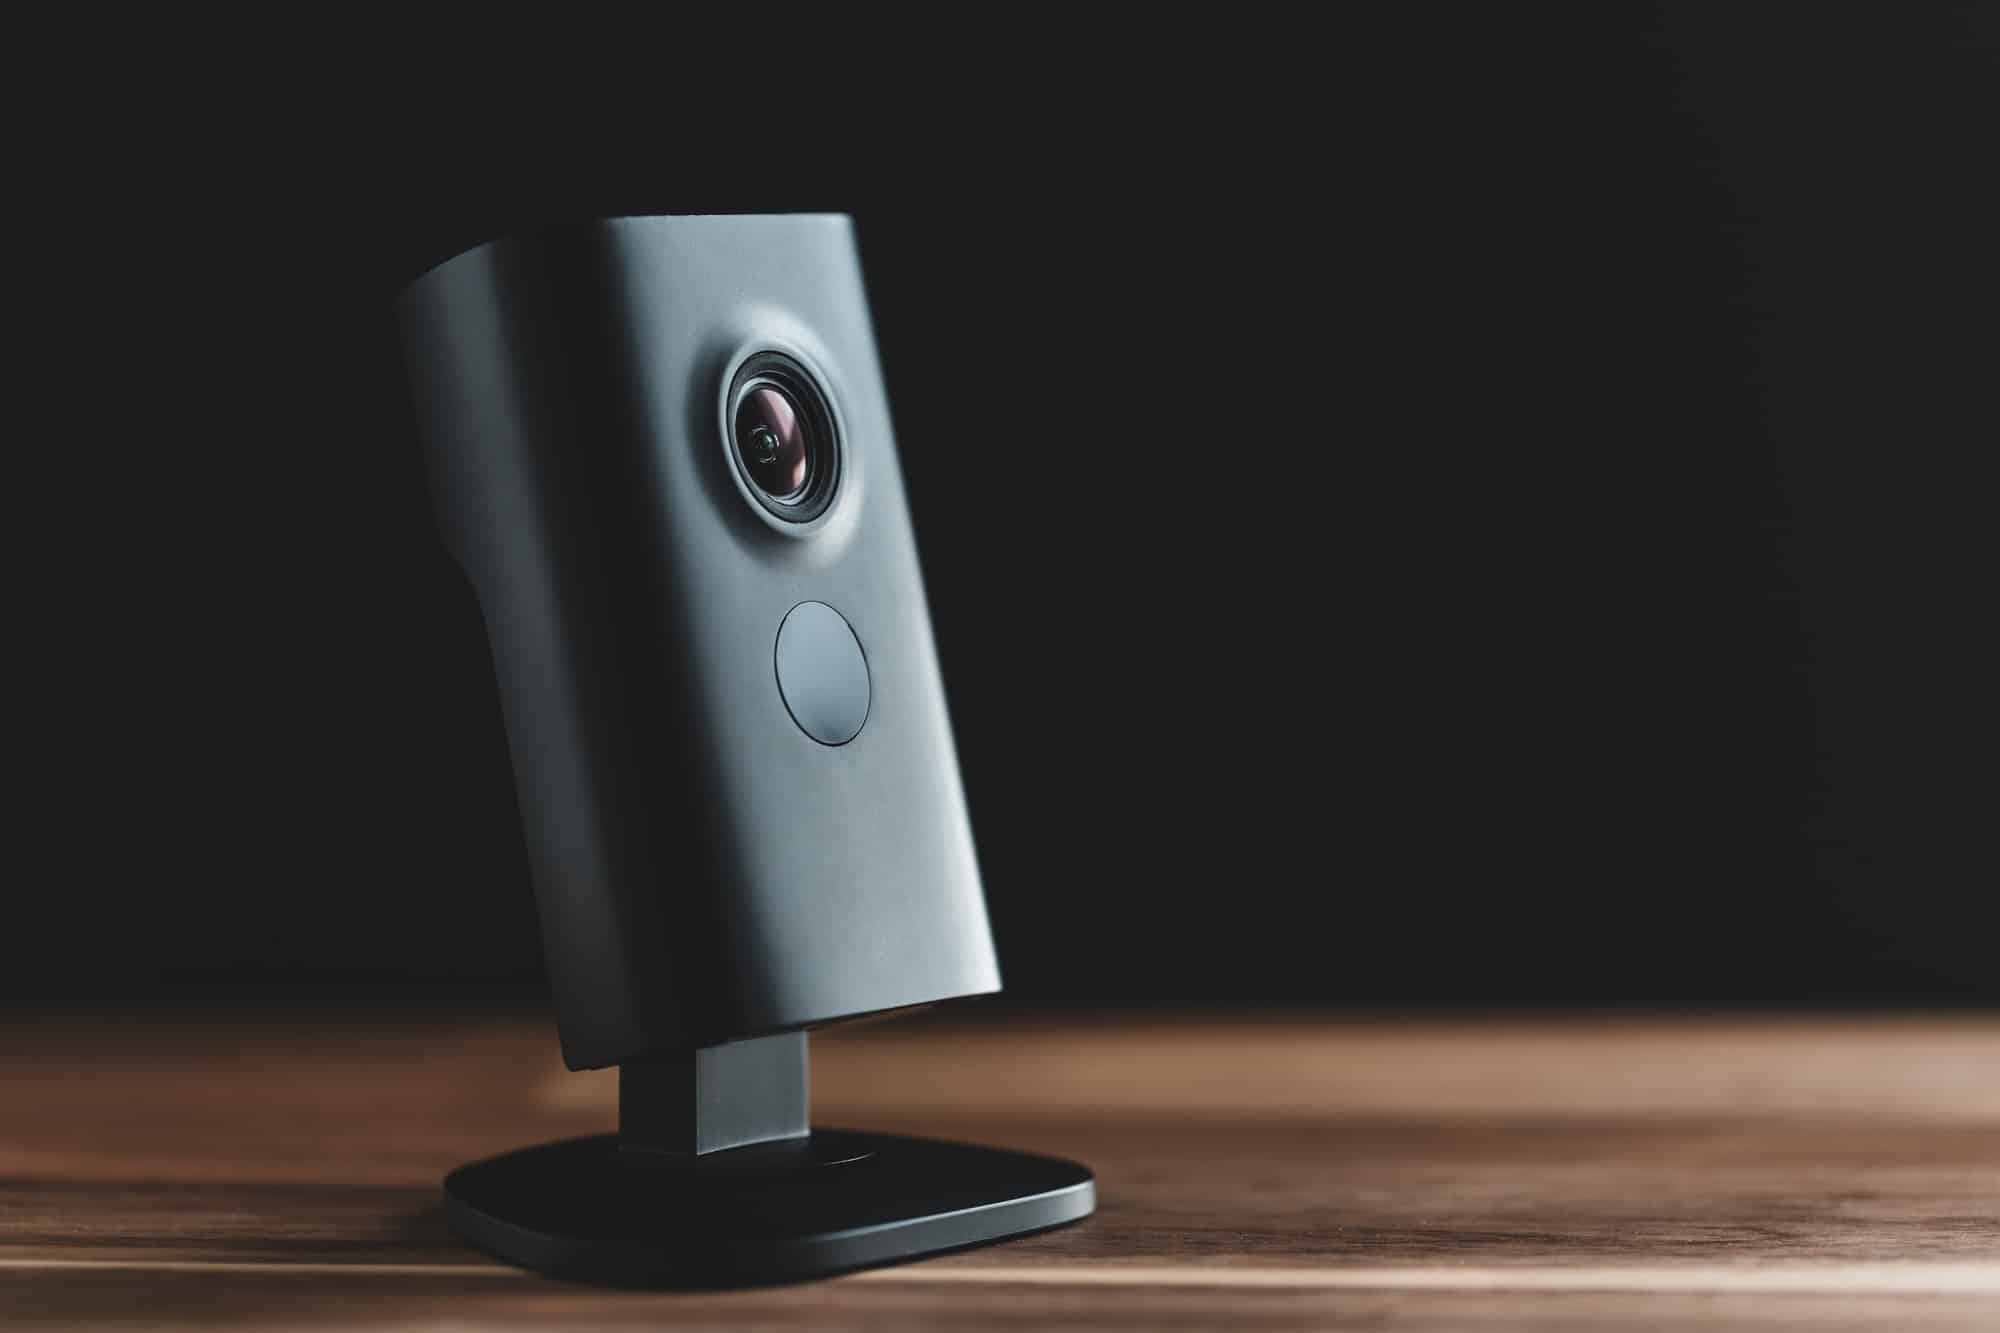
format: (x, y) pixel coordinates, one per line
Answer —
(774, 439)
(784, 436)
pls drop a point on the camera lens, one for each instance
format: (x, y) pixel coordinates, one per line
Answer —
(773, 438)
(783, 435)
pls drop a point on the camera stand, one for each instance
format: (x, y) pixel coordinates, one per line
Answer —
(715, 1179)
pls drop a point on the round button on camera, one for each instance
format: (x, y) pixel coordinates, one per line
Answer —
(822, 673)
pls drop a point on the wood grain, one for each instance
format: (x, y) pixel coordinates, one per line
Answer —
(1586, 1173)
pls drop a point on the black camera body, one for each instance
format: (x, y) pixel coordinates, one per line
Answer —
(661, 451)
(708, 867)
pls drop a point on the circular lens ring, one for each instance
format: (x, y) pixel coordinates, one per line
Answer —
(782, 437)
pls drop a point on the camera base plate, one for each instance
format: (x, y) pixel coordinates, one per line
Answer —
(591, 1210)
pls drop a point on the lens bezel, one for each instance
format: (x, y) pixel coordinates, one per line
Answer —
(778, 371)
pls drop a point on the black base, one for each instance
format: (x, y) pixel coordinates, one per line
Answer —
(587, 1209)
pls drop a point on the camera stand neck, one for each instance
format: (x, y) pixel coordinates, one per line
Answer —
(712, 1098)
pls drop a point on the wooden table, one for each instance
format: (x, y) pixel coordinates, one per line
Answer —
(1575, 1173)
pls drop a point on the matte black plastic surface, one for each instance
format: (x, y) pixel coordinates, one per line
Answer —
(705, 870)
(586, 1209)
(715, 1098)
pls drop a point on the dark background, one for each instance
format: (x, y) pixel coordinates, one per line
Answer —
(1462, 507)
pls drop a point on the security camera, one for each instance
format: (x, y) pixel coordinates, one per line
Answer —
(660, 449)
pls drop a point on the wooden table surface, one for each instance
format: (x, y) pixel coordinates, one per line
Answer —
(1585, 1173)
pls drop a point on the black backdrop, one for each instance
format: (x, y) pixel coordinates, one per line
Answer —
(1463, 508)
